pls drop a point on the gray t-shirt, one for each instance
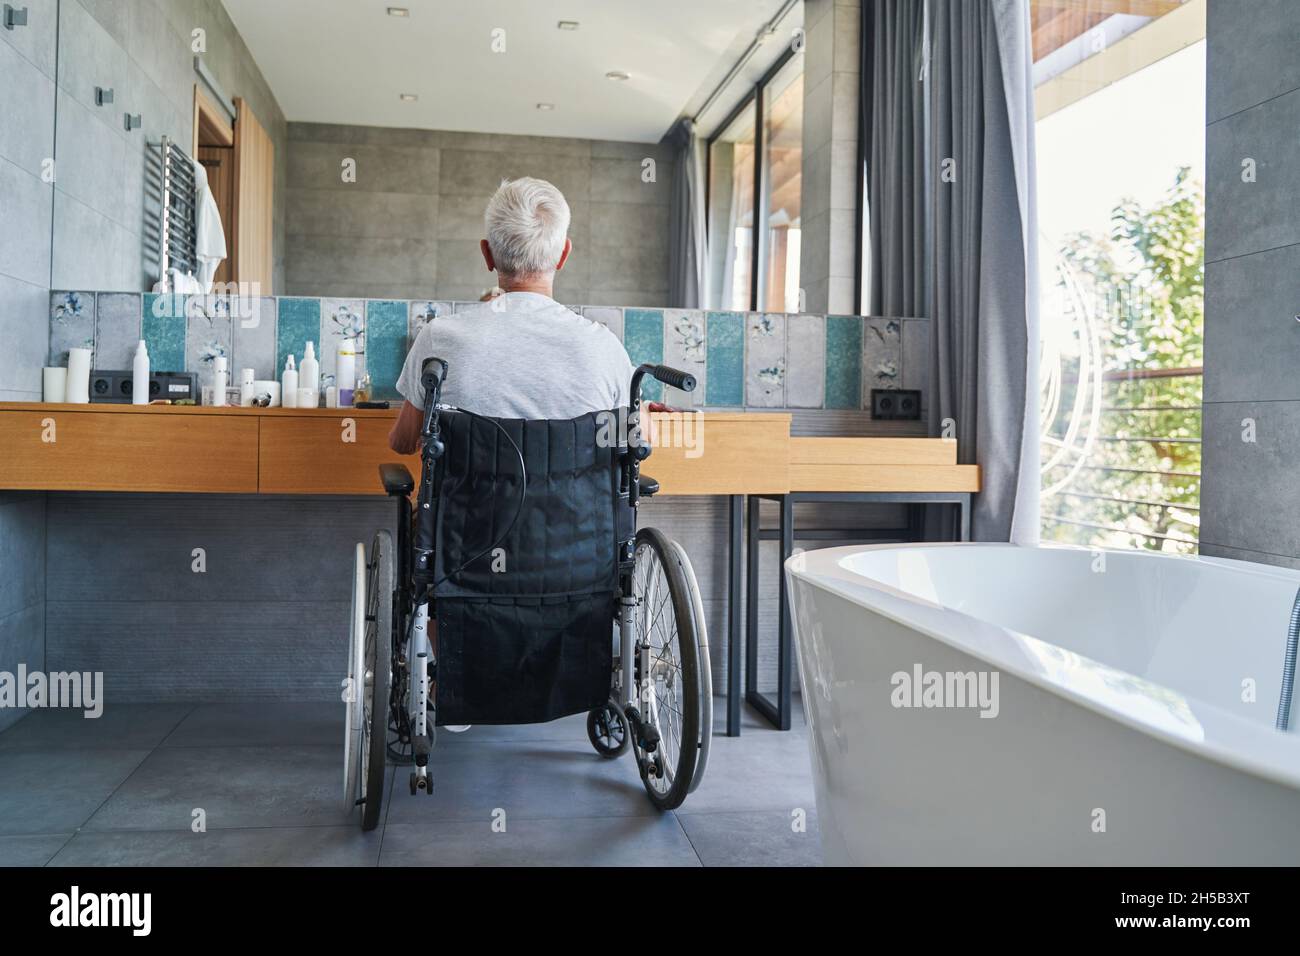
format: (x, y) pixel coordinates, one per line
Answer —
(522, 355)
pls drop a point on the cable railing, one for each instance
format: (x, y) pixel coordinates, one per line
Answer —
(1135, 479)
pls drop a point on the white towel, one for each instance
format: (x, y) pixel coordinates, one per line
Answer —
(210, 239)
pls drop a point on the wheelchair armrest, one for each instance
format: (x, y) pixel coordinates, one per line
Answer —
(397, 480)
(647, 486)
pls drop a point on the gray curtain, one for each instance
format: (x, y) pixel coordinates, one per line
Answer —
(983, 271)
(687, 256)
(893, 109)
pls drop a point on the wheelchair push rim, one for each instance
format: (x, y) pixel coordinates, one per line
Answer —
(668, 697)
(369, 681)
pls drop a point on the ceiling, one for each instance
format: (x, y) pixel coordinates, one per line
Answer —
(1057, 22)
(348, 61)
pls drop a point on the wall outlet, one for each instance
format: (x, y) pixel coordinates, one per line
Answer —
(896, 404)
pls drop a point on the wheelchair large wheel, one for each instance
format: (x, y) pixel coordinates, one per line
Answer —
(668, 697)
(369, 680)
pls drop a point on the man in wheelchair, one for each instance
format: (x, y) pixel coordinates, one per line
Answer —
(518, 567)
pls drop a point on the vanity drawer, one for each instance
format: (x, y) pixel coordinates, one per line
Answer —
(326, 454)
(75, 448)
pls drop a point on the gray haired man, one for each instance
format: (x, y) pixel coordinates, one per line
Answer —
(521, 355)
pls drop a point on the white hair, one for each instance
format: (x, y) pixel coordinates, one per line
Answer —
(527, 222)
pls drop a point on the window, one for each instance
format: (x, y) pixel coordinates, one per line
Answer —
(754, 260)
(1120, 142)
(731, 213)
(782, 184)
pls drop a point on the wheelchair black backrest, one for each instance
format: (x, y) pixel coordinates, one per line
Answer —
(566, 538)
(525, 632)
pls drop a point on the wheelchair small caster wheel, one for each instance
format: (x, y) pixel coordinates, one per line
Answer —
(415, 784)
(607, 730)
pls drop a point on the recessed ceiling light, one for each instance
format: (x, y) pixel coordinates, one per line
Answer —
(567, 25)
(398, 12)
(617, 75)
(545, 107)
(408, 97)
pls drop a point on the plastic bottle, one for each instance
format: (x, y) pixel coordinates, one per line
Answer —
(345, 371)
(219, 380)
(140, 375)
(309, 374)
(289, 385)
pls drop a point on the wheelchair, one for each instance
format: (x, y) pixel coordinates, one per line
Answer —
(520, 542)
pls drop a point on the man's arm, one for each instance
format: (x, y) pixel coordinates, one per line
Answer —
(405, 436)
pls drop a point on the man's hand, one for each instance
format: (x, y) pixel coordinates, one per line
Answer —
(405, 436)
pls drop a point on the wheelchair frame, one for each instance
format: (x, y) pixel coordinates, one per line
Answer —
(412, 665)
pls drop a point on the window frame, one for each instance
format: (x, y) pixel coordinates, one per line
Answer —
(753, 100)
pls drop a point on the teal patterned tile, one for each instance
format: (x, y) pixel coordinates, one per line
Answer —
(386, 325)
(297, 323)
(843, 361)
(643, 337)
(162, 326)
(72, 324)
(725, 385)
(117, 329)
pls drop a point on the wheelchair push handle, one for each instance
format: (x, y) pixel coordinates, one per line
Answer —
(663, 373)
(432, 373)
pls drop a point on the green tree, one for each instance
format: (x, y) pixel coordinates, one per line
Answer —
(1146, 284)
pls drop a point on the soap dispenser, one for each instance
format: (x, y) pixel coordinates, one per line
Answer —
(140, 375)
(309, 374)
(289, 384)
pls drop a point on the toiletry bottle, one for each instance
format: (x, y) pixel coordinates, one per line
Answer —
(219, 380)
(246, 390)
(345, 371)
(289, 385)
(309, 374)
(140, 375)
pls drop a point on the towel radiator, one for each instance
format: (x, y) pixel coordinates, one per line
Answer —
(172, 187)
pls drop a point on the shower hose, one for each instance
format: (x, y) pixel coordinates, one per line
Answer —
(1288, 667)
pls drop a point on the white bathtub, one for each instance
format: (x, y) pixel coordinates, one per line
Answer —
(1119, 705)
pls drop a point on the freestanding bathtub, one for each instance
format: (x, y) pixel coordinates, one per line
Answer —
(993, 704)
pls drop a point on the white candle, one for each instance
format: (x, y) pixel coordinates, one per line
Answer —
(54, 382)
(78, 387)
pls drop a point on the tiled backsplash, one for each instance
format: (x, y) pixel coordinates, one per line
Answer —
(740, 359)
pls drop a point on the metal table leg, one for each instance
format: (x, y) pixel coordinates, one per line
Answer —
(736, 512)
(751, 596)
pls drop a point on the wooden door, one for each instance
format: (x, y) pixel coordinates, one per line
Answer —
(254, 185)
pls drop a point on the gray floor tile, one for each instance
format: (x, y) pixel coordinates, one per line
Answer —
(272, 846)
(759, 838)
(260, 724)
(760, 770)
(606, 841)
(130, 726)
(235, 786)
(51, 791)
(534, 779)
(30, 849)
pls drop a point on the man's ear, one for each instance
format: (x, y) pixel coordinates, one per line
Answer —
(564, 256)
(487, 255)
